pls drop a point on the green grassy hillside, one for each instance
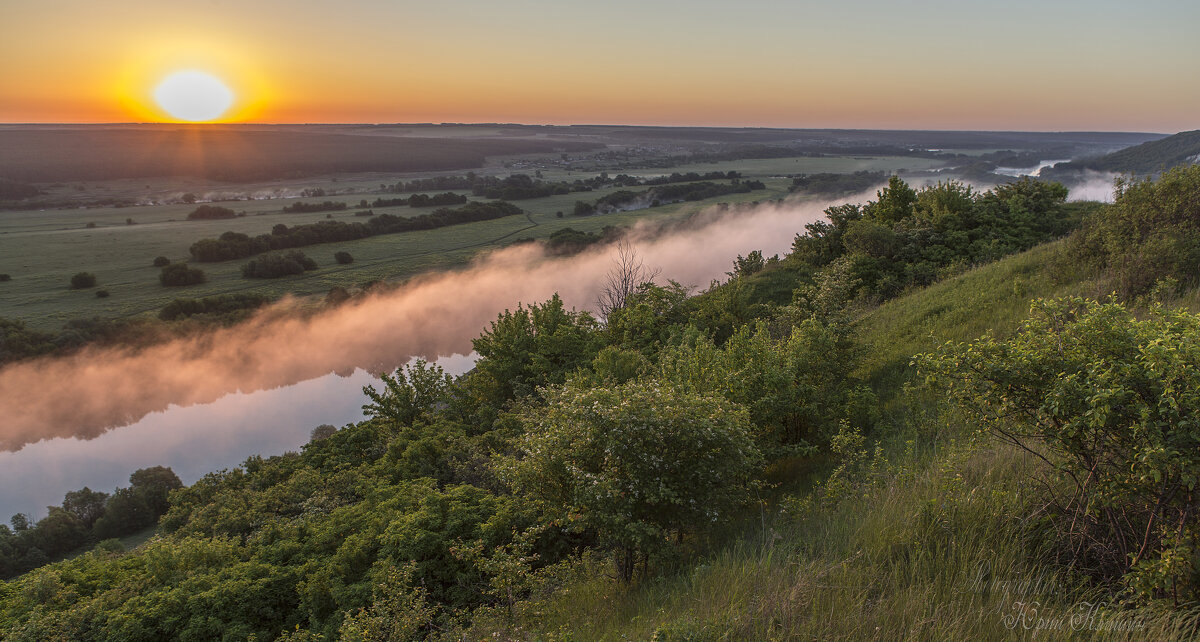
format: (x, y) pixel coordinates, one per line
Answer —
(731, 465)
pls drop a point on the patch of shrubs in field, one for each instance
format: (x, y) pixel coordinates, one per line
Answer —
(234, 245)
(180, 274)
(273, 266)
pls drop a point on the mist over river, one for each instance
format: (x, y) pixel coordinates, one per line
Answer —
(193, 441)
(206, 403)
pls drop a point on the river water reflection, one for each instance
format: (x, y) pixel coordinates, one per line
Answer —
(192, 441)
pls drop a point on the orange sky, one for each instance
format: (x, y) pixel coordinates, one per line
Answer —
(1097, 65)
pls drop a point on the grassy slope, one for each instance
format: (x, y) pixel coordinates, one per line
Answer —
(899, 560)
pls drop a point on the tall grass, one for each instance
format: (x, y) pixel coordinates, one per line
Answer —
(945, 544)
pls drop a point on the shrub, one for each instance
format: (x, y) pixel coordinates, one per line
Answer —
(1109, 401)
(273, 266)
(83, 280)
(210, 212)
(5, 277)
(101, 294)
(343, 258)
(638, 462)
(223, 304)
(179, 274)
(161, 261)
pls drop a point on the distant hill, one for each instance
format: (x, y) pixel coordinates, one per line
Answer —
(1148, 158)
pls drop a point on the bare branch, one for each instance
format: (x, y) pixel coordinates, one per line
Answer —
(628, 273)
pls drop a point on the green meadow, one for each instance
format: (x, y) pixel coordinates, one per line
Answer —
(41, 250)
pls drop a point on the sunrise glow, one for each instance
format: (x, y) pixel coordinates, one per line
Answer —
(193, 96)
(790, 66)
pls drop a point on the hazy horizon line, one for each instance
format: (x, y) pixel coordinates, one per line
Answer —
(552, 125)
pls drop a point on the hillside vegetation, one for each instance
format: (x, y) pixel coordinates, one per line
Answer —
(875, 437)
(1147, 158)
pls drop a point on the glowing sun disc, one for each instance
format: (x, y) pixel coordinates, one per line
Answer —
(193, 96)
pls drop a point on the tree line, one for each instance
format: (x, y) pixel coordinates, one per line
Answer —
(86, 517)
(235, 245)
(625, 200)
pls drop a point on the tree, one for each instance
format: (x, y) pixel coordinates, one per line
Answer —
(161, 261)
(210, 212)
(154, 484)
(343, 258)
(895, 202)
(181, 274)
(627, 274)
(20, 522)
(324, 431)
(636, 463)
(59, 532)
(413, 391)
(85, 504)
(83, 280)
(531, 347)
(747, 265)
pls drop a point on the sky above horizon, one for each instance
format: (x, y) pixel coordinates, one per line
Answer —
(925, 64)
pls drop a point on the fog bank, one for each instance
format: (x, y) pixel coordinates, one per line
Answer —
(96, 389)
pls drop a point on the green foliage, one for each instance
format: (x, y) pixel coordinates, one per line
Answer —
(1151, 230)
(911, 238)
(180, 274)
(83, 280)
(830, 184)
(399, 610)
(1111, 399)
(1147, 158)
(636, 462)
(210, 212)
(235, 245)
(533, 346)
(895, 203)
(412, 392)
(752, 263)
(273, 266)
(19, 342)
(343, 258)
(224, 305)
(795, 390)
(85, 504)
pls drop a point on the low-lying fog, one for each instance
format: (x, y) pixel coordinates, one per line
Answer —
(202, 404)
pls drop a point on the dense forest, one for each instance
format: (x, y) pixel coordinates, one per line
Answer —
(772, 455)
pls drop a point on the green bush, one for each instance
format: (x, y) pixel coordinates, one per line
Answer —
(161, 261)
(180, 274)
(210, 212)
(83, 280)
(273, 266)
(343, 258)
(1110, 402)
(637, 462)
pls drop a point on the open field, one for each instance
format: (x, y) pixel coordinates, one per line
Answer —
(42, 249)
(112, 195)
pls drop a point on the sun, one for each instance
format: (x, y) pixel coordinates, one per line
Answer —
(193, 96)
